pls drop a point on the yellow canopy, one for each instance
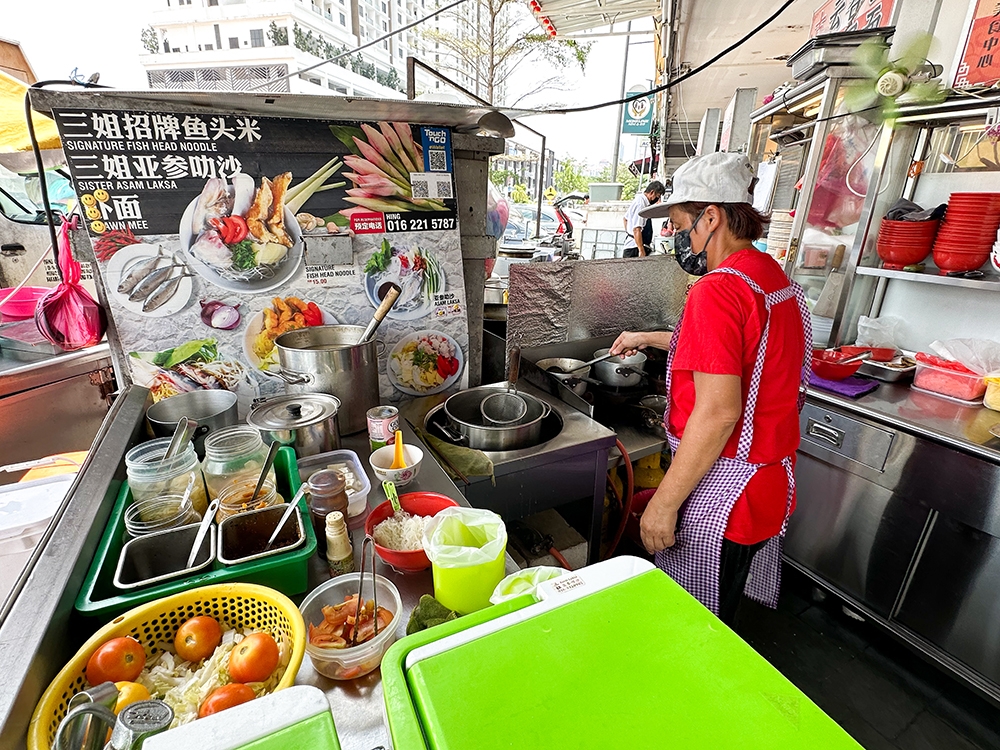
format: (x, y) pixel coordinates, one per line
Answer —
(13, 128)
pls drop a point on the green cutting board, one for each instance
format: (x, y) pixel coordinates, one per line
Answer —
(640, 664)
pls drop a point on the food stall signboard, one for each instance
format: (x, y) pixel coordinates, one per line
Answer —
(638, 116)
(850, 15)
(215, 233)
(980, 60)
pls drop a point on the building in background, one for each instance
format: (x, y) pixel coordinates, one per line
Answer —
(519, 166)
(233, 45)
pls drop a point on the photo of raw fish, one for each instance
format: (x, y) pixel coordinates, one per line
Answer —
(150, 281)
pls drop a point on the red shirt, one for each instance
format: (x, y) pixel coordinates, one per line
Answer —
(723, 322)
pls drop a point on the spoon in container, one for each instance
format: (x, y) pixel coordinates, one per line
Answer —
(398, 459)
(286, 515)
(182, 434)
(206, 522)
(271, 453)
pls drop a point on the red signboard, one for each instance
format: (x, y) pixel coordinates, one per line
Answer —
(850, 15)
(980, 61)
(367, 223)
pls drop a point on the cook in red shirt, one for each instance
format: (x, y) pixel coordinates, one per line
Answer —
(716, 350)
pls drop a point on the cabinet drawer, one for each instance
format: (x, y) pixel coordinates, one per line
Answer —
(844, 436)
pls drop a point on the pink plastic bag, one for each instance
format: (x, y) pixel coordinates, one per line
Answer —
(68, 316)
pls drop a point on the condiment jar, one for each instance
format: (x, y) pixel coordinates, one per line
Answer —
(159, 514)
(339, 553)
(235, 498)
(327, 493)
(233, 455)
(149, 476)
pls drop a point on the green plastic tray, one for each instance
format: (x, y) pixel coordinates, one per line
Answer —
(287, 572)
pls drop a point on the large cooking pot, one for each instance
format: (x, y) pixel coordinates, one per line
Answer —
(467, 426)
(328, 359)
(572, 380)
(620, 373)
(211, 408)
(305, 421)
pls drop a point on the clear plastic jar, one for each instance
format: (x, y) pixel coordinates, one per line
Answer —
(159, 514)
(235, 498)
(234, 455)
(149, 476)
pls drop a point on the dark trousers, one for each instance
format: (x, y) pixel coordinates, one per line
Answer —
(630, 252)
(734, 567)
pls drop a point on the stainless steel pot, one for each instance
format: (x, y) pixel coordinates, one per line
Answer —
(571, 379)
(653, 409)
(329, 359)
(466, 424)
(212, 409)
(618, 372)
(305, 421)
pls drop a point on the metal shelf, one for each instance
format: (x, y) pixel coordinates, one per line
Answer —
(990, 281)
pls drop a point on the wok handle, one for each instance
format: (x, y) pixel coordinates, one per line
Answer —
(448, 433)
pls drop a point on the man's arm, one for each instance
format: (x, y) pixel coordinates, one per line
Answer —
(717, 409)
(637, 234)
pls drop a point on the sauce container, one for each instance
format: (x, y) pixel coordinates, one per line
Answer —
(149, 476)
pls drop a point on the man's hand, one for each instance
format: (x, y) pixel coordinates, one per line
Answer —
(659, 521)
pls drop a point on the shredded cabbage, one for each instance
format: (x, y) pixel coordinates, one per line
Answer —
(184, 686)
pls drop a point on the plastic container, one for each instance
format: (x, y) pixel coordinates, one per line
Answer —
(235, 498)
(358, 485)
(382, 459)
(466, 549)
(232, 455)
(960, 385)
(159, 514)
(826, 365)
(414, 503)
(150, 476)
(22, 305)
(26, 508)
(349, 663)
(234, 605)
(991, 400)
(287, 572)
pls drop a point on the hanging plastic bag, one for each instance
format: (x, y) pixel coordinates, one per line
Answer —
(524, 582)
(68, 316)
(497, 212)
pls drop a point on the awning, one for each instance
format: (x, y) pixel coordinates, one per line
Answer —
(567, 16)
(13, 128)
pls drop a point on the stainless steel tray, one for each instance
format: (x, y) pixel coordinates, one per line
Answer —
(259, 524)
(887, 374)
(161, 556)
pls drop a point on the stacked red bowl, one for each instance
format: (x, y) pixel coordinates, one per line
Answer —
(903, 243)
(968, 232)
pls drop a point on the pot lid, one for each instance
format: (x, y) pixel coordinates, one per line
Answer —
(293, 411)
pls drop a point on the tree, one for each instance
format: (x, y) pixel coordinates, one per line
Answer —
(278, 35)
(520, 194)
(570, 177)
(499, 177)
(625, 177)
(495, 37)
(150, 40)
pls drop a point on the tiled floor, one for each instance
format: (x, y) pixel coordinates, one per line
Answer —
(875, 688)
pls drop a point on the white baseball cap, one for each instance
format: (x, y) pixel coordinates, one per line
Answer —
(719, 177)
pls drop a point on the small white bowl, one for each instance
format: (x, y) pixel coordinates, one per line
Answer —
(381, 460)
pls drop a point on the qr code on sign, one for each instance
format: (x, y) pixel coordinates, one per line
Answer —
(420, 189)
(438, 160)
(443, 189)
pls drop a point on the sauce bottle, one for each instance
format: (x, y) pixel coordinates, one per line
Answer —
(339, 554)
(327, 493)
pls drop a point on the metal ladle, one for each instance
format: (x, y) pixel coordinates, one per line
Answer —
(506, 407)
(561, 371)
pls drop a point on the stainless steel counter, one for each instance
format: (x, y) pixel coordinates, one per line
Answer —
(357, 704)
(22, 371)
(962, 427)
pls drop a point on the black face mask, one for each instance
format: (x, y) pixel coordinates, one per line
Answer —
(695, 264)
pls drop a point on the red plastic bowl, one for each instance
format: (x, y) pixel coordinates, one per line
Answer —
(825, 364)
(416, 504)
(22, 305)
(949, 260)
(896, 255)
(879, 353)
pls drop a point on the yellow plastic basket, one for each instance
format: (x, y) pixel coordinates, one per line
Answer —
(234, 605)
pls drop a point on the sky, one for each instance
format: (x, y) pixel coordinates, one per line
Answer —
(104, 37)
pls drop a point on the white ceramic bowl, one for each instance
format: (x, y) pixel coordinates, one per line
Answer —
(381, 460)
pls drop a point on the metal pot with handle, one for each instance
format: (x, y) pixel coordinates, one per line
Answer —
(329, 359)
(620, 373)
(467, 426)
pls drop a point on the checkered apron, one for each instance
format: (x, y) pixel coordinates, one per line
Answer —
(693, 560)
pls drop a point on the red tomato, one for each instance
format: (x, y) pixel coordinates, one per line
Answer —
(240, 228)
(118, 660)
(254, 658)
(225, 697)
(443, 367)
(197, 638)
(453, 366)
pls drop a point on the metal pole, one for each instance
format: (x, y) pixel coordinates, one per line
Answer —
(621, 107)
(541, 176)
(411, 77)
